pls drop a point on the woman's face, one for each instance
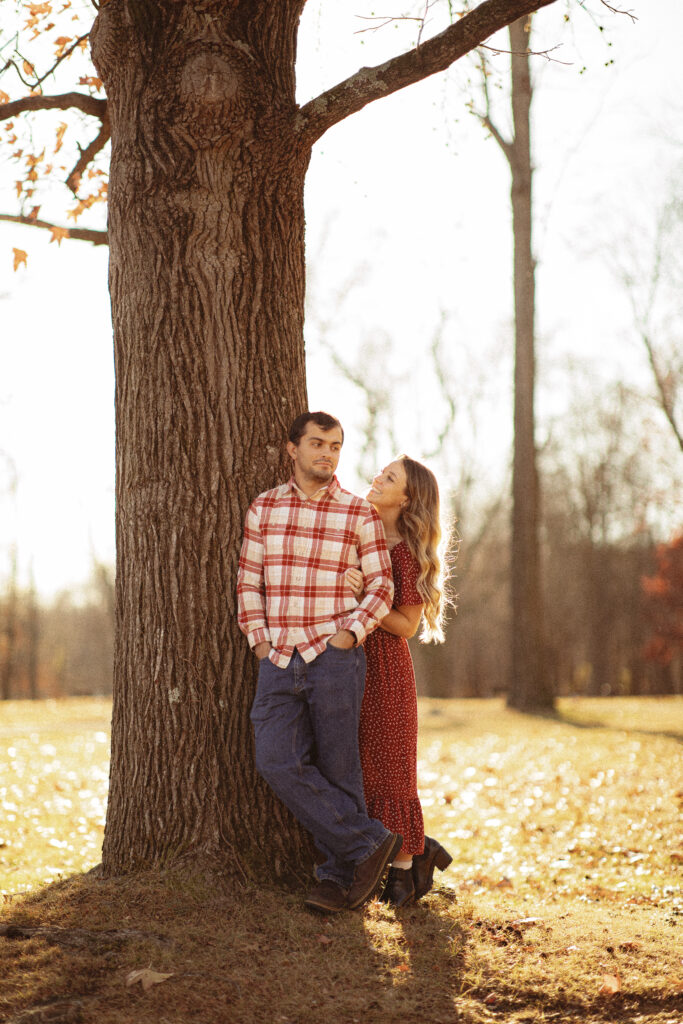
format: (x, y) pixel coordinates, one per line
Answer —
(388, 489)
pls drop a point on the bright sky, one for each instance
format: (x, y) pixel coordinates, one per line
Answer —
(407, 218)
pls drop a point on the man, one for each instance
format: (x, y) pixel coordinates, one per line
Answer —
(306, 628)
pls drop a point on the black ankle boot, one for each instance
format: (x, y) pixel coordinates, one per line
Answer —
(400, 888)
(434, 856)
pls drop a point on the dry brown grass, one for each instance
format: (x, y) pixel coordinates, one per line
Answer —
(568, 853)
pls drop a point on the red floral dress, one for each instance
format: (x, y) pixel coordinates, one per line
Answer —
(388, 719)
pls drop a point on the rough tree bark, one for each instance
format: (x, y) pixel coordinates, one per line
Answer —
(206, 232)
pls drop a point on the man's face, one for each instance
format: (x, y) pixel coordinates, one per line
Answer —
(316, 455)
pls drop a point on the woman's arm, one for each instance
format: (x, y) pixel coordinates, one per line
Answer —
(402, 621)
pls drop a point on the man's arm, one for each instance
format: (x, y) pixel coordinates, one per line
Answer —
(251, 597)
(375, 564)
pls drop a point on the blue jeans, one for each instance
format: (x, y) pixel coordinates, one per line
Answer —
(305, 721)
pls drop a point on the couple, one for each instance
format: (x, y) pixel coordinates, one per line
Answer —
(315, 585)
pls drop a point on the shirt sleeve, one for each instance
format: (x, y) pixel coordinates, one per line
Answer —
(251, 591)
(375, 564)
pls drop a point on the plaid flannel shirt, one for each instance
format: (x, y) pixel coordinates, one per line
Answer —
(291, 589)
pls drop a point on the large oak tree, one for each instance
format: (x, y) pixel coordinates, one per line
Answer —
(209, 151)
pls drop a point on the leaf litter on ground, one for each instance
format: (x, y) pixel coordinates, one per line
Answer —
(564, 833)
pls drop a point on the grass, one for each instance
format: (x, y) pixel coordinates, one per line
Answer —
(568, 852)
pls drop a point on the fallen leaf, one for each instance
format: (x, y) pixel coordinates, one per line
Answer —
(403, 967)
(324, 940)
(611, 984)
(19, 257)
(525, 922)
(504, 883)
(629, 947)
(491, 999)
(147, 978)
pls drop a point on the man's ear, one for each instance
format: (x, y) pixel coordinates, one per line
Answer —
(292, 450)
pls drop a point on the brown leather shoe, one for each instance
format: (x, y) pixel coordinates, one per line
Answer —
(400, 888)
(326, 897)
(423, 865)
(367, 877)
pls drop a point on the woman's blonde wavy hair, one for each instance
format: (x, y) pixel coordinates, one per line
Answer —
(419, 525)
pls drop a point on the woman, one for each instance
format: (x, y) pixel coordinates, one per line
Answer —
(406, 497)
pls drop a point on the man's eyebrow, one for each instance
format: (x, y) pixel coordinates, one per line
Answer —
(314, 437)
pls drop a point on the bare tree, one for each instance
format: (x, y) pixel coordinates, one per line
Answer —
(529, 684)
(650, 270)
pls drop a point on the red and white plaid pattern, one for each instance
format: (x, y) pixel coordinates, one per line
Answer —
(290, 586)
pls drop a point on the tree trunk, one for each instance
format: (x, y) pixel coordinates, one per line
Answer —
(206, 230)
(8, 667)
(529, 685)
(33, 640)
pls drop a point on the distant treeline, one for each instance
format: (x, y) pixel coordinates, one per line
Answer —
(613, 621)
(614, 626)
(57, 649)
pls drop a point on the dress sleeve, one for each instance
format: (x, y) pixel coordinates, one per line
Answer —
(406, 571)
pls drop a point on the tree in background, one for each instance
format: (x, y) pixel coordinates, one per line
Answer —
(606, 488)
(648, 264)
(664, 593)
(208, 157)
(530, 685)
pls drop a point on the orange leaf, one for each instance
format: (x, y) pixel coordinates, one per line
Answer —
(4, 98)
(19, 186)
(61, 44)
(19, 257)
(611, 984)
(29, 68)
(60, 135)
(34, 213)
(403, 967)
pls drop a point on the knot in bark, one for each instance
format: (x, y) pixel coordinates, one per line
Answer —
(208, 80)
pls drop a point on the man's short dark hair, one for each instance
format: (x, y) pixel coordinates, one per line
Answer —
(321, 419)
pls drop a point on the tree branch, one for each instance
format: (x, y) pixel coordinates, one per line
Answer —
(665, 398)
(88, 154)
(80, 234)
(435, 55)
(78, 100)
(38, 81)
(505, 144)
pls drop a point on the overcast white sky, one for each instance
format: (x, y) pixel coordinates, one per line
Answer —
(407, 199)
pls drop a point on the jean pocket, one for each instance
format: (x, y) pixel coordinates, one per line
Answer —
(341, 650)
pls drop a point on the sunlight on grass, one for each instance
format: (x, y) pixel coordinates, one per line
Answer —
(550, 808)
(567, 844)
(54, 772)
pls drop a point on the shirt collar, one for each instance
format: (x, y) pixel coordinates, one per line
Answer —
(327, 490)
